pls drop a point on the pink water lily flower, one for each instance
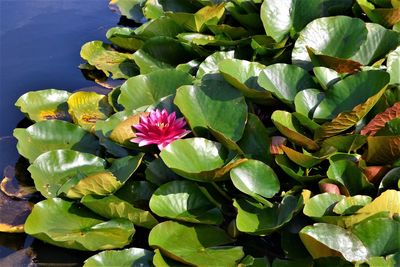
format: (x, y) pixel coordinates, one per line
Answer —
(160, 128)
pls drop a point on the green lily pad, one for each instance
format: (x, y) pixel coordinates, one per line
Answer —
(207, 39)
(291, 127)
(274, 79)
(379, 43)
(184, 201)
(257, 219)
(325, 240)
(104, 182)
(320, 206)
(256, 179)
(203, 106)
(112, 207)
(54, 168)
(197, 22)
(349, 205)
(86, 108)
(44, 104)
(121, 258)
(45, 136)
(296, 171)
(137, 193)
(100, 55)
(162, 26)
(243, 75)
(210, 64)
(379, 235)
(125, 38)
(384, 16)
(198, 159)
(348, 174)
(128, 8)
(280, 17)
(149, 88)
(338, 36)
(255, 141)
(393, 66)
(68, 225)
(159, 173)
(308, 160)
(350, 92)
(346, 143)
(326, 76)
(306, 101)
(203, 244)
(162, 52)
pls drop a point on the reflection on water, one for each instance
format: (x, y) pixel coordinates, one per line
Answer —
(39, 49)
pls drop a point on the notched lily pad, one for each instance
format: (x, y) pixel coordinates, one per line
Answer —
(66, 224)
(47, 104)
(121, 258)
(50, 135)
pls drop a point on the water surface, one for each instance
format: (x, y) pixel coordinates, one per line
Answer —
(40, 42)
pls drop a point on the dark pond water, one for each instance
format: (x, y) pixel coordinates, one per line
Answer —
(40, 42)
(39, 49)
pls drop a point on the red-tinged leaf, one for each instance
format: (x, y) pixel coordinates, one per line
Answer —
(375, 173)
(329, 188)
(340, 65)
(381, 119)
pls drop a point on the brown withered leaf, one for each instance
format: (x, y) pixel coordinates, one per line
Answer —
(381, 119)
(340, 65)
(346, 120)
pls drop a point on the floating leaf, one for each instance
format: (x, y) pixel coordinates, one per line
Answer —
(255, 141)
(125, 38)
(255, 218)
(346, 120)
(162, 53)
(148, 89)
(210, 64)
(102, 183)
(243, 75)
(203, 106)
(51, 135)
(345, 143)
(290, 126)
(307, 160)
(307, 100)
(130, 9)
(326, 77)
(350, 92)
(393, 66)
(349, 175)
(197, 159)
(384, 16)
(184, 201)
(379, 43)
(100, 55)
(112, 207)
(121, 258)
(86, 108)
(295, 171)
(274, 79)
(320, 206)
(256, 179)
(338, 36)
(68, 225)
(349, 205)
(197, 22)
(54, 168)
(44, 105)
(202, 246)
(379, 235)
(325, 240)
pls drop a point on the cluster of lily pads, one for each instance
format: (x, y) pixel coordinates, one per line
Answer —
(294, 153)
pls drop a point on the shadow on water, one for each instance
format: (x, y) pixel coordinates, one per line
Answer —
(40, 41)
